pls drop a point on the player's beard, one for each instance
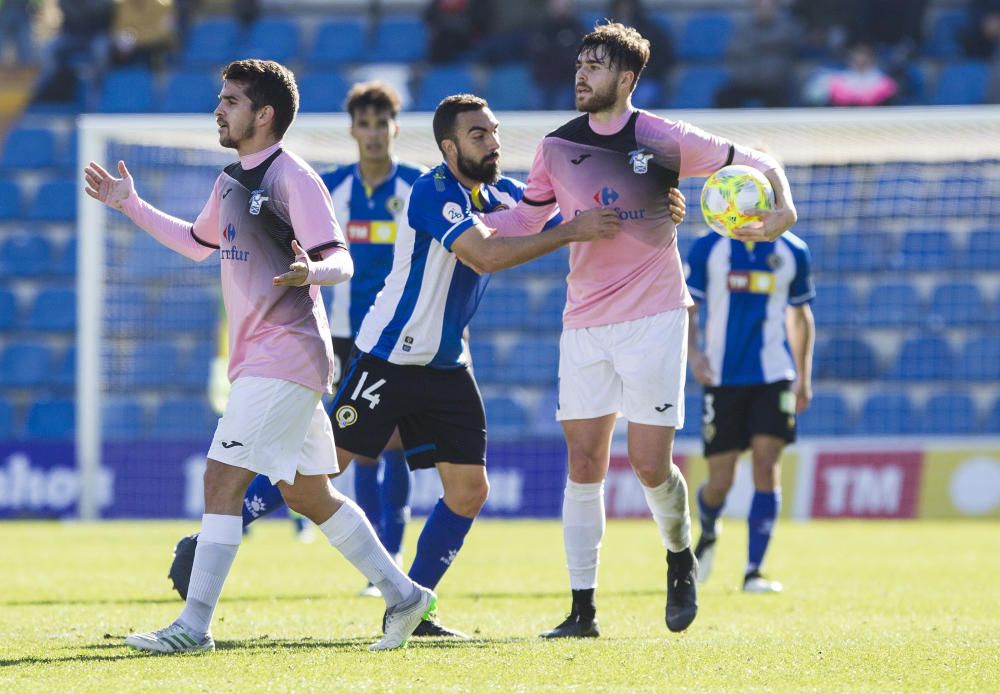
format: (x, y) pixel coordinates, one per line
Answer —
(598, 101)
(486, 169)
(227, 139)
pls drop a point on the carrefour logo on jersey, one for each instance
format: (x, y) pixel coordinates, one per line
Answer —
(607, 196)
(234, 253)
(229, 233)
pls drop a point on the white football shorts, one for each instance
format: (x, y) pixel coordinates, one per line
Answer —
(275, 428)
(636, 368)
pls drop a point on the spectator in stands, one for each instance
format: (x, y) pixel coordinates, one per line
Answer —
(456, 27)
(80, 50)
(761, 57)
(826, 24)
(862, 83)
(553, 50)
(15, 28)
(893, 25)
(633, 13)
(142, 31)
(510, 33)
(982, 37)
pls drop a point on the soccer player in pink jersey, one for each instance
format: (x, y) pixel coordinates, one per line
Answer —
(624, 342)
(272, 221)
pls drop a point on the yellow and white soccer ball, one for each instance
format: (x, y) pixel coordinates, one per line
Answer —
(732, 194)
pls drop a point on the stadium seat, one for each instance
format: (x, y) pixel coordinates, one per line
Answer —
(28, 148)
(692, 416)
(893, 305)
(189, 418)
(53, 310)
(503, 307)
(924, 359)
(897, 191)
(856, 251)
(845, 358)
(25, 364)
(993, 421)
(66, 156)
(532, 361)
(191, 91)
(55, 201)
(705, 36)
(195, 310)
(951, 412)
(51, 419)
(547, 317)
(923, 251)
(511, 88)
(983, 250)
(128, 311)
(146, 258)
(486, 361)
(197, 365)
(338, 41)
(979, 360)
(827, 415)
(835, 304)
(505, 418)
(154, 364)
(273, 38)
(958, 303)
(439, 82)
(64, 377)
(961, 83)
(123, 418)
(827, 192)
(6, 419)
(128, 90)
(401, 39)
(9, 311)
(64, 265)
(10, 200)
(212, 43)
(695, 86)
(25, 255)
(888, 413)
(322, 92)
(944, 38)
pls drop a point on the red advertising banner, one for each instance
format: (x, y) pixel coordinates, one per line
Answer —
(867, 484)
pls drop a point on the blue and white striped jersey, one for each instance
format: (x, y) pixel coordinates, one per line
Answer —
(371, 219)
(430, 296)
(746, 288)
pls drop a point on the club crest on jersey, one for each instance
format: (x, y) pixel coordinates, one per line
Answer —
(453, 212)
(346, 416)
(257, 198)
(639, 159)
(394, 204)
(774, 261)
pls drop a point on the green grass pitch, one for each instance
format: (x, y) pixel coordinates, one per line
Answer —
(876, 606)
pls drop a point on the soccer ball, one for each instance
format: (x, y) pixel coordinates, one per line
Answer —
(731, 195)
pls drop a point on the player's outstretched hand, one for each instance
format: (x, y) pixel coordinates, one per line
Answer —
(298, 271)
(677, 204)
(596, 223)
(700, 367)
(803, 395)
(104, 187)
(772, 224)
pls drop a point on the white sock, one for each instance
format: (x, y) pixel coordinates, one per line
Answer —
(350, 532)
(669, 504)
(583, 530)
(218, 541)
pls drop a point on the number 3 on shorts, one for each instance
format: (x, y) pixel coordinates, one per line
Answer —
(368, 393)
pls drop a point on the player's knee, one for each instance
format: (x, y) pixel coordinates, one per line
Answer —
(651, 473)
(469, 500)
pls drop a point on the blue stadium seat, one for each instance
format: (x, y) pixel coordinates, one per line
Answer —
(505, 418)
(197, 365)
(927, 250)
(695, 86)
(196, 310)
(191, 91)
(944, 38)
(274, 38)
(10, 200)
(827, 192)
(888, 413)
(188, 418)
(961, 83)
(705, 36)
(9, 311)
(442, 81)
(51, 419)
(548, 316)
(897, 190)
(129, 311)
(692, 416)
(128, 90)
(323, 92)
(54, 310)
(553, 265)
(146, 258)
(338, 41)
(993, 421)
(543, 419)
(856, 251)
(827, 415)
(55, 201)
(212, 43)
(532, 361)
(123, 418)
(845, 358)
(952, 412)
(979, 360)
(835, 304)
(155, 364)
(893, 305)
(511, 88)
(64, 264)
(958, 303)
(6, 419)
(486, 361)
(25, 255)
(401, 39)
(983, 251)
(66, 156)
(28, 148)
(503, 307)
(64, 376)
(924, 359)
(26, 364)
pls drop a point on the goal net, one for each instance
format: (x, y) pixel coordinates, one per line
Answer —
(896, 204)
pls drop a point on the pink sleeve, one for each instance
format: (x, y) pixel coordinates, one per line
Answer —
(535, 208)
(174, 233)
(311, 213)
(703, 153)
